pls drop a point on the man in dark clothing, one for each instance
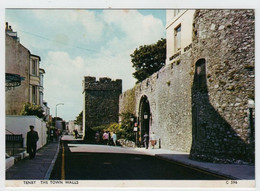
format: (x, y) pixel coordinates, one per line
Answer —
(146, 140)
(76, 133)
(32, 138)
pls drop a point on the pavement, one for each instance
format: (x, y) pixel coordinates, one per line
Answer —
(40, 168)
(232, 171)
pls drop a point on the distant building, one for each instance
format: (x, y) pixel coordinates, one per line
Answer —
(46, 110)
(71, 125)
(41, 89)
(101, 99)
(59, 123)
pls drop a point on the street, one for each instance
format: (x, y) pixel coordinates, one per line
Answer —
(77, 161)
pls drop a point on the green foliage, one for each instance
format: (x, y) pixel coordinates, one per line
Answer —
(115, 127)
(30, 109)
(79, 119)
(122, 131)
(128, 126)
(100, 128)
(148, 59)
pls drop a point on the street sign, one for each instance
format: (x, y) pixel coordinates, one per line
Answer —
(135, 128)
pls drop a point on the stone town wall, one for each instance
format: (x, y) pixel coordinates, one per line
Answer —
(168, 93)
(101, 101)
(213, 124)
(225, 38)
(127, 102)
(16, 62)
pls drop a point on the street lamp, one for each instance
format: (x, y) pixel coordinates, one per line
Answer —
(56, 108)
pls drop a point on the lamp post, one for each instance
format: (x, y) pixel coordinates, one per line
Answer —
(145, 115)
(56, 108)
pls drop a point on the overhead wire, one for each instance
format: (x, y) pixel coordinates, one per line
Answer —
(42, 37)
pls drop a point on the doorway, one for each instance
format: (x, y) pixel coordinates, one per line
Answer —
(144, 118)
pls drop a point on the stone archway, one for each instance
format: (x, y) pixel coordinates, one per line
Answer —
(144, 117)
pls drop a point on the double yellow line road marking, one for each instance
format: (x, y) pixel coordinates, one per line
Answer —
(63, 163)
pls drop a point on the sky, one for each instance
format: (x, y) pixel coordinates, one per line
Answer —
(76, 43)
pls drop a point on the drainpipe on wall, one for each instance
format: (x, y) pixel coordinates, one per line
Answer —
(29, 77)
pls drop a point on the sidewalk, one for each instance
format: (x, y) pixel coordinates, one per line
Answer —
(38, 168)
(232, 171)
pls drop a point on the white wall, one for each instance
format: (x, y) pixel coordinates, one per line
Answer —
(71, 125)
(78, 127)
(20, 125)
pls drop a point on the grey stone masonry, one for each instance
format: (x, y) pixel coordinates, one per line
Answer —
(203, 101)
(101, 102)
(223, 122)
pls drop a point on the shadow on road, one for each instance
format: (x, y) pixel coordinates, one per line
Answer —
(118, 166)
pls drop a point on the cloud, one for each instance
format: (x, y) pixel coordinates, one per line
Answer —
(89, 20)
(84, 43)
(138, 29)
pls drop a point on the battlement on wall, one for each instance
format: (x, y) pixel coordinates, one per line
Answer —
(104, 84)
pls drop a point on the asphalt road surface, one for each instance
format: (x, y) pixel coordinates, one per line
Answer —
(82, 162)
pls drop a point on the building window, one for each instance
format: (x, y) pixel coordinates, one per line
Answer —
(177, 38)
(34, 94)
(34, 67)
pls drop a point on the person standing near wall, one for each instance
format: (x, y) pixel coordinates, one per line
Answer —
(153, 140)
(146, 140)
(32, 138)
(105, 138)
(97, 137)
(114, 137)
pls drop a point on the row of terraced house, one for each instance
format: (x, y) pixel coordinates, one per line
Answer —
(24, 84)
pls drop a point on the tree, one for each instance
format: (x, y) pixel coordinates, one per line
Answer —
(79, 119)
(148, 59)
(31, 109)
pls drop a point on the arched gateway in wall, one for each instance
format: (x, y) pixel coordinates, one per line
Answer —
(144, 117)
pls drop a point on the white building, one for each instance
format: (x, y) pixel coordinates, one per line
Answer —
(178, 32)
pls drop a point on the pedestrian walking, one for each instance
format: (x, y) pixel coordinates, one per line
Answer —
(114, 138)
(51, 134)
(146, 140)
(105, 138)
(101, 137)
(55, 134)
(97, 137)
(153, 139)
(76, 133)
(32, 138)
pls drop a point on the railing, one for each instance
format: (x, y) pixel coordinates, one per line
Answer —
(14, 138)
